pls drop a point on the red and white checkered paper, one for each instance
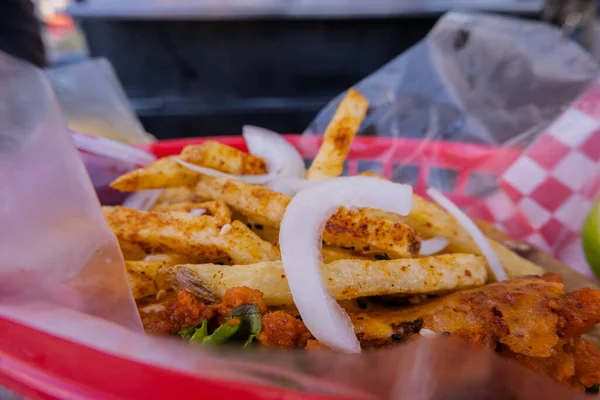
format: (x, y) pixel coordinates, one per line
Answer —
(547, 192)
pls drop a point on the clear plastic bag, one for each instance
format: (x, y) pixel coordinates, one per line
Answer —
(94, 103)
(478, 96)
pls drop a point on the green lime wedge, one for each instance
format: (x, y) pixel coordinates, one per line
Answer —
(591, 239)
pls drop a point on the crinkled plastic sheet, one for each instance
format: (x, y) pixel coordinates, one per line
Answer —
(94, 102)
(62, 273)
(475, 78)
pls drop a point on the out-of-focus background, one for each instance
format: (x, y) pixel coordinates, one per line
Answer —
(206, 67)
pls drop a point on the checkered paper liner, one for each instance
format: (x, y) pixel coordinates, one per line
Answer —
(547, 192)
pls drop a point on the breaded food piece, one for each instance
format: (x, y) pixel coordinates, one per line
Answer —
(188, 234)
(525, 315)
(219, 156)
(349, 279)
(338, 136)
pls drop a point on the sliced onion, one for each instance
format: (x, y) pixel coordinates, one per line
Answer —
(289, 186)
(198, 211)
(281, 156)
(143, 200)
(472, 229)
(433, 245)
(300, 238)
(252, 179)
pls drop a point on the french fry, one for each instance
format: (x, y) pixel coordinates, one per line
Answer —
(430, 220)
(190, 235)
(332, 253)
(163, 173)
(257, 203)
(350, 228)
(132, 251)
(176, 195)
(338, 137)
(146, 277)
(349, 279)
(346, 228)
(215, 155)
(216, 208)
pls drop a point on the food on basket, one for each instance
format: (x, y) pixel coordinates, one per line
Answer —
(239, 249)
(338, 137)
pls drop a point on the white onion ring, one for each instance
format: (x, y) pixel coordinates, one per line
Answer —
(472, 229)
(300, 239)
(289, 186)
(433, 245)
(281, 156)
(143, 200)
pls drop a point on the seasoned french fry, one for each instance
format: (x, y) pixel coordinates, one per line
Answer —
(163, 173)
(175, 195)
(188, 234)
(146, 277)
(215, 155)
(430, 220)
(216, 208)
(346, 228)
(350, 228)
(132, 251)
(332, 253)
(338, 137)
(257, 203)
(348, 279)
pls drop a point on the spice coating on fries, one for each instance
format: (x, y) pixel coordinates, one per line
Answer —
(349, 279)
(223, 158)
(188, 234)
(218, 277)
(338, 137)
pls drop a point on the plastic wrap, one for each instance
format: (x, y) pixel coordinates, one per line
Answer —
(94, 103)
(500, 82)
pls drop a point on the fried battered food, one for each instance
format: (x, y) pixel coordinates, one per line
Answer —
(529, 319)
(338, 136)
(348, 279)
(346, 228)
(281, 329)
(197, 236)
(217, 208)
(219, 156)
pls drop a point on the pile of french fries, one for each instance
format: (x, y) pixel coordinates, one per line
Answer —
(224, 232)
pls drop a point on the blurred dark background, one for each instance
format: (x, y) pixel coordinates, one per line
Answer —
(201, 69)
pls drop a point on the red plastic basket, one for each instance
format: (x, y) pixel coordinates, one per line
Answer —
(461, 160)
(39, 365)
